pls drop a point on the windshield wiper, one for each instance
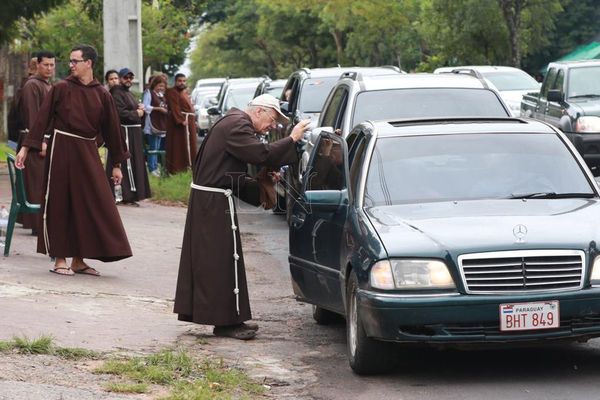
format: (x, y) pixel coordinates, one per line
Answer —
(550, 195)
(584, 95)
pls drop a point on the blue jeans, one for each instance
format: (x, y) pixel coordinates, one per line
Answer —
(155, 143)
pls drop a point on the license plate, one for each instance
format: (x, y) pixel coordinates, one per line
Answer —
(529, 316)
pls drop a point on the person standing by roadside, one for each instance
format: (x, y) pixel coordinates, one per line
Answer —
(80, 218)
(111, 78)
(211, 285)
(135, 185)
(181, 128)
(155, 126)
(31, 97)
(14, 124)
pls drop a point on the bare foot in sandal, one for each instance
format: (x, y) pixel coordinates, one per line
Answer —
(61, 268)
(80, 267)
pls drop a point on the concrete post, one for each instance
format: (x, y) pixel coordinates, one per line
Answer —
(123, 37)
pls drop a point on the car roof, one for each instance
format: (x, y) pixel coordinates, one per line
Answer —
(243, 82)
(479, 68)
(433, 126)
(578, 63)
(338, 71)
(209, 82)
(420, 80)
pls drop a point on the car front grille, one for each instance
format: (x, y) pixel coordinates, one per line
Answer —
(522, 271)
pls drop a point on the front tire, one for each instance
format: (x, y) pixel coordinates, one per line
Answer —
(365, 355)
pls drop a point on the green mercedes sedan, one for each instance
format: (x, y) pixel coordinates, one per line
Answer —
(448, 231)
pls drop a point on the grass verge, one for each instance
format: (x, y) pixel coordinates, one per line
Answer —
(44, 345)
(171, 189)
(4, 150)
(187, 378)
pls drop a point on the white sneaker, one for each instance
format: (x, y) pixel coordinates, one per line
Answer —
(155, 173)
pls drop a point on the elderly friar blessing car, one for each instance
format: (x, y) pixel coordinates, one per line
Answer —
(448, 231)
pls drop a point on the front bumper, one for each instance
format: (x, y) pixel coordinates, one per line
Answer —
(472, 318)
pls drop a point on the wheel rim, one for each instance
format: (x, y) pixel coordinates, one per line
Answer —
(353, 324)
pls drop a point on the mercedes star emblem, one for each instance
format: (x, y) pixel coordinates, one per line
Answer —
(520, 231)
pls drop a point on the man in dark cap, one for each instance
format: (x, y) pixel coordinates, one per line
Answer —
(135, 185)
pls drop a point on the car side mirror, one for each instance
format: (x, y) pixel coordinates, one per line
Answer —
(213, 101)
(323, 200)
(555, 95)
(213, 111)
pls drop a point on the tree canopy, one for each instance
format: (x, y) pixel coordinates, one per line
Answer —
(257, 37)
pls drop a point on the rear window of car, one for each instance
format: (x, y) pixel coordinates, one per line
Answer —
(314, 93)
(434, 168)
(238, 97)
(512, 80)
(434, 102)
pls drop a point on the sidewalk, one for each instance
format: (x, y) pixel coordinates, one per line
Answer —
(129, 307)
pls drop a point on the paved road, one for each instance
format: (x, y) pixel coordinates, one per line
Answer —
(129, 309)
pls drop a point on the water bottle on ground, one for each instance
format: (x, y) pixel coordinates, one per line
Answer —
(118, 194)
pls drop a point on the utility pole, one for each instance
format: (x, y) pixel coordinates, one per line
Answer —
(123, 37)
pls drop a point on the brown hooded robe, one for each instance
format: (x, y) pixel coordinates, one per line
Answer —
(31, 97)
(178, 135)
(82, 218)
(206, 269)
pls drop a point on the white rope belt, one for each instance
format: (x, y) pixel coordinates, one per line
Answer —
(129, 168)
(228, 193)
(188, 138)
(56, 131)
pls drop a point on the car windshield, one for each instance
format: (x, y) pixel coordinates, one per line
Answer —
(583, 82)
(425, 102)
(512, 80)
(314, 93)
(239, 98)
(421, 169)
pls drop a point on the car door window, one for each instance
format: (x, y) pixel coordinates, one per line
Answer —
(327, 168)
(355, 159)
(548, 82)
(330, 116)
(558, 82)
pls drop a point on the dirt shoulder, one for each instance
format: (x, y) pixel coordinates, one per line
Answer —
(129, 310)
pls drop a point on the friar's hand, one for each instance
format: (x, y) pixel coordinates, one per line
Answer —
(43, 151)
(117, 175)
(21, 157)
(298, 131)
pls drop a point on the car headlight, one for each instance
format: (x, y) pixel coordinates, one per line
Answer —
(411, 274)
(595, 278)
(587, 124)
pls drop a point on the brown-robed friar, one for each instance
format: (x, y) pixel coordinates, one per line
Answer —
(80, 218)
(211, 285)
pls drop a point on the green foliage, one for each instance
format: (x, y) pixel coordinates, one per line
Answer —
(42, 345)
(125, 387)
(4, 151)
(164, 32)
(12, 10)
(60, 30)
(6, 345)
(188, 378)
(164, 35)
(75, 353)
(171, 189)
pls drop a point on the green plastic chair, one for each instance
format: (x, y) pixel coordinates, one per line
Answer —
(19, 202)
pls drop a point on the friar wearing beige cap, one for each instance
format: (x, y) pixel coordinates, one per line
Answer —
(211, 285)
